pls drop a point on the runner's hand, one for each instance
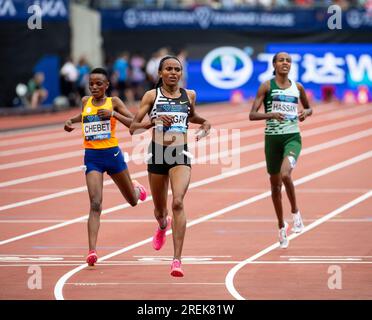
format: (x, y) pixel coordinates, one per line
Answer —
(104, 114)
(68, 126)
(277, 116)
(302, 115)
(167, 120)
(203, 130)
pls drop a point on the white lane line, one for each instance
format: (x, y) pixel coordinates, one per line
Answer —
(111, 263)
(253, 220)
(40, 176)
(229, 280)
(224, 263)
(170, 258)
(39, 147)
(311, 262)
(40, 255)
(325, 256)
(62, 193)
(236, 151)
(36, 138)
(80, 284)
(68, 142)
(324, 259)
(59, 156)
(44, 130)
(255, 190)
(58, 289)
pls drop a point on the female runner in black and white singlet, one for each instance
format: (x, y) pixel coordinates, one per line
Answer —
(170, 109)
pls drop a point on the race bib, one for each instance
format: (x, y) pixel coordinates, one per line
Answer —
(179, 122)
(97, 130)
(287, 108)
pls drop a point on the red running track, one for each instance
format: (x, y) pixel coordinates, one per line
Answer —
(230, 247)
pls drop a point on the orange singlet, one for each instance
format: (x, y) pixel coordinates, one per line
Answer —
(98, 133)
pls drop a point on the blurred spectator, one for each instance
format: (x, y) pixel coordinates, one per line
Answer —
(137, 75)
(266, 4)
(83, 69)
(368, 6)
(108, 65)
(120, 77)
(69, 75)
(36, 93)
(343, 4)
(182, 56)
(281, 3)
(153, 65)
(304, 3)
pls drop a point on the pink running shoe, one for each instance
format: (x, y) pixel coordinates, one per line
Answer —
(92, 258)
(176, 270)
(159, 238)
(142, 190)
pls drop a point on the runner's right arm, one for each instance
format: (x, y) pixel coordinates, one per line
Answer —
(254, 114)
(75, 119)
(147, 101)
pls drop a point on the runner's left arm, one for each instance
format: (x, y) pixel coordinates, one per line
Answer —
(195, 118)
(307, 111)
(120, 112)
(77, 118)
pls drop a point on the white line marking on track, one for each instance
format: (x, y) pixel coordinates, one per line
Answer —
(324, 259)
(40, 176)
(325, 256)
(40, 255)
(143, 283)
(252, 220)
(219, 263)
(229, 280)
(59, 285)
(59, 156)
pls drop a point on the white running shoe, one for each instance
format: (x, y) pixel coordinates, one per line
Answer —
(283, 237)
(298, 225)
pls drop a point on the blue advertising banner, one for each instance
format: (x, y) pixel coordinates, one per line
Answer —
(225, 70)
(51, 10)
(202, 18)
